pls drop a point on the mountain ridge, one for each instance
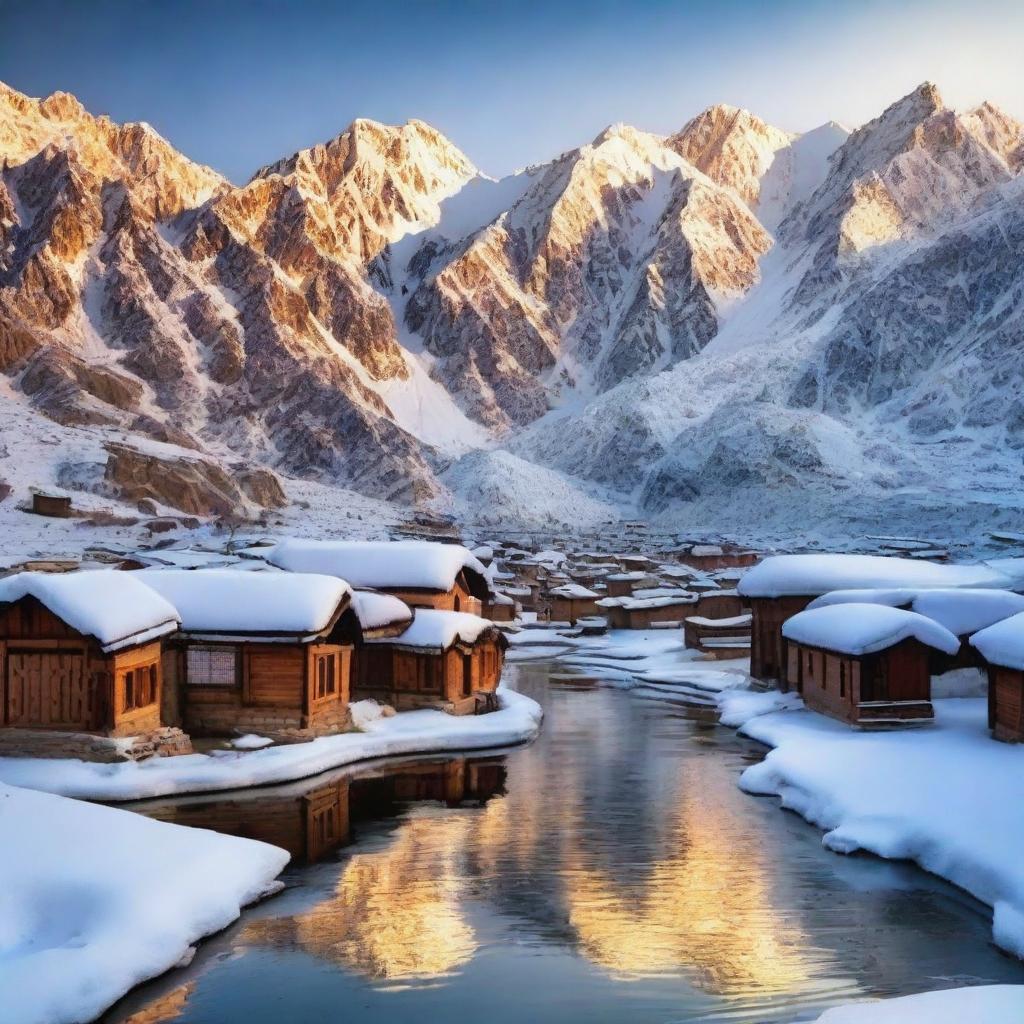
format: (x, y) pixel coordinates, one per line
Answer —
(661, 320)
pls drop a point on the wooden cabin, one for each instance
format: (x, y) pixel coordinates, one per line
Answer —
(719, 638)
(654, 609)
(1002, 648)
(864, 664)
(264, 652)
(623, 584)
(571, 602)
(423, 574)
(720, 604)
(500, 608)
(784, 585)
(80, 653)
(446, 660)
(707, 557)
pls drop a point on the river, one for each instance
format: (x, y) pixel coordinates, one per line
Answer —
(610, 871)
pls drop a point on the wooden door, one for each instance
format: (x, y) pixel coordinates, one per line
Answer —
(48, 690)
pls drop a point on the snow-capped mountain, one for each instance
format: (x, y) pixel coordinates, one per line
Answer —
(722, 322)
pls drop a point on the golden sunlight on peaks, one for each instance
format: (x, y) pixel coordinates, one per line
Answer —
(705, 910)
(395, 914)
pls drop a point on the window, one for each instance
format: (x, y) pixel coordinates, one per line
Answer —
(212, 666)
(139, 686)
(326, 676)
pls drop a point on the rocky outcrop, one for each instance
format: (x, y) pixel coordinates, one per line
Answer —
(194, 486)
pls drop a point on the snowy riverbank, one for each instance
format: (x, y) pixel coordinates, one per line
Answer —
(96, 900)
(411, 732)
(946, 797)
(982, 1004)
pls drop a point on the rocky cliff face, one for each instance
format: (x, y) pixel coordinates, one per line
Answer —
(670, 319)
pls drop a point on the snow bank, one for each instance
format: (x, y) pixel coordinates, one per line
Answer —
(229, 601)
(1003, 643)
(984, 1004)
(806, 575)
(865, 628)
(375, 611)
(946, 797)
(633, 604)
(116, 608)
(388, 565)
(434, 630)
(967, 611)
(412, 732)
(96, 900)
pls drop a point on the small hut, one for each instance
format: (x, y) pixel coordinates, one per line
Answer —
(781, 586)
(424, 574)
(1002, 647)
(727, 637)
(446, 660)
(500, 608)
(265, 652)
(658, 608)
(571, 601)
(623, 584)
(865, 664)
(80, 652)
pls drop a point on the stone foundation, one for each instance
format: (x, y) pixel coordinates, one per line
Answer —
(91, 747)
(281, 725)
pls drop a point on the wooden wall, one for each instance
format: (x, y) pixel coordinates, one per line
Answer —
(1006, 704)
(766, 642)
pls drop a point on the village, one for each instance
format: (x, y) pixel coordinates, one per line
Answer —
(143, 673)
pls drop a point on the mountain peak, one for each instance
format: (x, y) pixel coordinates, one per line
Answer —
(731, 146)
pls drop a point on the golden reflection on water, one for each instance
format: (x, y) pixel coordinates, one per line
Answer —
(704, 909)
(396, 913)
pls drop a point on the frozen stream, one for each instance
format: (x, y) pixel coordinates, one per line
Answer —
(611, 871)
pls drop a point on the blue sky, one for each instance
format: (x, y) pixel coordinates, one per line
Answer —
(236, 85)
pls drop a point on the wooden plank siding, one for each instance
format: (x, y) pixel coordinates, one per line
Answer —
(275, 689)
(1006, 704)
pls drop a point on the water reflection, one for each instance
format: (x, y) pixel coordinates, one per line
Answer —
(611, 871)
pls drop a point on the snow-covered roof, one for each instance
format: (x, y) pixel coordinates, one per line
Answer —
(572, 591)
(438, 630)
(629, 577)
(895, 598)
(968, 610)
(115, 607)
(1003, 643)
(732, 621)
(376, 611)
(865, 628)
(811, 575)
(232, 602)
(382, 565)
(635, 604)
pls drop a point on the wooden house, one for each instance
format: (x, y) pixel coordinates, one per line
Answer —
(265, 652)
(648, 609)
(783, 585)
(446, 660)
(712, 556)
(571, 602)
(80, 653)
(623, 584)
(720, 604)
(719, 637)
(500, 608)
(423, 574)
(1002, 648)
(864, 664)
